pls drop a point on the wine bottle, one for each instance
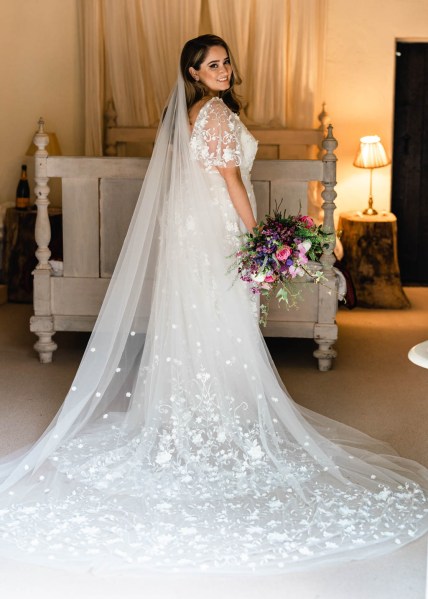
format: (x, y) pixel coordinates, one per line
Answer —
(23, 190)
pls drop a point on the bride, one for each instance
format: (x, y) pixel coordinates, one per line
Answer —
(178, 447)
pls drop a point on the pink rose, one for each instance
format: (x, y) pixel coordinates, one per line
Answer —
(283, 253)
(308, 220)
(269, 278)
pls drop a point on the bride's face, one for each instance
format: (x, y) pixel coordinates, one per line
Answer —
(215, 71)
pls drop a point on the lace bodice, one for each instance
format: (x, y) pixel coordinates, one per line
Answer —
(220, 139)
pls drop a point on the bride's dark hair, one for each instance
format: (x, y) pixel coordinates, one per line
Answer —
(193, 54)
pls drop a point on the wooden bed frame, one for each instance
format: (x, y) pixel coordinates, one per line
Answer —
(274, 143)
(98, 198)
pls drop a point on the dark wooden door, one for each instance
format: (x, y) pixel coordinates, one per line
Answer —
(410, 161)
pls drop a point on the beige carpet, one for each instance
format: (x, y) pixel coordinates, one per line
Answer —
(372, 386)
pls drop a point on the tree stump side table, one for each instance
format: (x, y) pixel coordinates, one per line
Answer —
(370, 255)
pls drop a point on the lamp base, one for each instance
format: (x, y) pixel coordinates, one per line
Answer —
(370, 211)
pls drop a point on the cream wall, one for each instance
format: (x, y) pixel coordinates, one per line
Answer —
(359, 84)
(39, 76)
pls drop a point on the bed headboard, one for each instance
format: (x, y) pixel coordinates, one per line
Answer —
(275, 143)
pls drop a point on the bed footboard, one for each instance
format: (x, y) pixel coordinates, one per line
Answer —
(98, 199)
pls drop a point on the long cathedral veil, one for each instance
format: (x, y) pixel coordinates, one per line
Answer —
(119, 334)
(177, 415)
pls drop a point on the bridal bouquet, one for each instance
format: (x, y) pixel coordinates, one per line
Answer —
(276, 254)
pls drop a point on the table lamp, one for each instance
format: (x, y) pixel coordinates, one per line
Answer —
(371, 154)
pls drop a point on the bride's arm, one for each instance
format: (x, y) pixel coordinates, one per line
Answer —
(238, 195)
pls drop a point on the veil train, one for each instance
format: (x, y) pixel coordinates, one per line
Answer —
(178, 446)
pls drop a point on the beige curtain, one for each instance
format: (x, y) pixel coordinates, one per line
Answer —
(92, 42)
(128, 80)
(131, 50)
(167, 24)
(279, 47)
(305, 61)
(231, 20)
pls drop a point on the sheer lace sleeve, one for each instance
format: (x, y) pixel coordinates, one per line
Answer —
(215, 141)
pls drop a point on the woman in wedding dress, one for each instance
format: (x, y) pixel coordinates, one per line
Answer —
(178, 447)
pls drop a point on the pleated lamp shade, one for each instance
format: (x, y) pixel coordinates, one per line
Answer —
(371, 153)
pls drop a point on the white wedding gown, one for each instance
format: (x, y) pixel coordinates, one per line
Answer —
(178, 447)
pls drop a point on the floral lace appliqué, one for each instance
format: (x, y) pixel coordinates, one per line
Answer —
(215, 139)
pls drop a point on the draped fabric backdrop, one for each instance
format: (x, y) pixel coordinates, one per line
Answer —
(131, 51)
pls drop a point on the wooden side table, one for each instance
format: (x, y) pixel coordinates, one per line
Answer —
(370, 255)
(19, 258)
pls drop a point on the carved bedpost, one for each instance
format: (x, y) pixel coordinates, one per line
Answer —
(329, 195)
(324, 120)
(42, 322)
(43, 228)
(316, 187)
(111, 121)
(326, 328)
